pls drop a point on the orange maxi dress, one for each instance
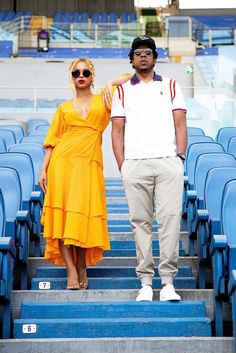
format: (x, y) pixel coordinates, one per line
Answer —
(75, 206)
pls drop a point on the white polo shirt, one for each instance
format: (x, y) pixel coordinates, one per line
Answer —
(148, 112)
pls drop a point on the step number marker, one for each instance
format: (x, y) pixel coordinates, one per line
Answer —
(44, 285)
(32, 328)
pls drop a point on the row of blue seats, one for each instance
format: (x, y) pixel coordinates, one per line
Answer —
(209, 205)
(213, 21)
(29, 103)
(7, 16)
(20, 211)
(104, 17)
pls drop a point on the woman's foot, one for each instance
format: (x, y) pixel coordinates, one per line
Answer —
(83, 279)
(81, 268)
(72, 280)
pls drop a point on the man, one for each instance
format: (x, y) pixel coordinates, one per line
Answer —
(149, 138)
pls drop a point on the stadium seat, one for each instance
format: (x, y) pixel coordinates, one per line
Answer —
(194, 150)
(16, 129)
(232, 293)
(209, 217)
(18, 222)
(195, 196)
(7, 258)
(3, 147)
(223, 252)
(195, 131)
(232, 146)
(33, 139)
(36, 152)
(32, 200)
(33, 123)
(224, 134)
(8, 136)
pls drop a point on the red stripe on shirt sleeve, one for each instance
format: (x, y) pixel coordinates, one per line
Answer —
(174, 91)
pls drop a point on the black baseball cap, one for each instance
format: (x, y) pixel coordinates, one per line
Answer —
(143, 40)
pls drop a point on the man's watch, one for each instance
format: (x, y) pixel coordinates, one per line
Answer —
(181, 156)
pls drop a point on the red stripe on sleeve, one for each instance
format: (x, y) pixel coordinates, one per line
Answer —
(174, 90)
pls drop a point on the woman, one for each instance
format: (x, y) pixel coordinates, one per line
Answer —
(74, 212)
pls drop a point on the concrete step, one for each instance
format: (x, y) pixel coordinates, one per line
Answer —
(120, 345)
(110, 327)
(78, 310)
(108, 283)
(60, 296)
(112, 262)
(99, 271)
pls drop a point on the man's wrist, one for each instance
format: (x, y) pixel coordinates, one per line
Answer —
(181, 155)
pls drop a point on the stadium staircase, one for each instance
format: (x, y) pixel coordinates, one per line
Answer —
(105, 318)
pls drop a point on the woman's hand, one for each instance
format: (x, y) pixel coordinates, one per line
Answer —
(43, 181)
(107, 94)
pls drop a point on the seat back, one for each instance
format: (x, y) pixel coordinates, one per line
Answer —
(11, 191)
(2, 215)
(228, 221)
(194, 151)
(36, 132)
(33, 139)
(232, 146)
(195, 131)
(207, 161)
(3, 146)
(33, 123)
(42, 128)
(196, 139)
(8, 136)
(36, 153)
(228, 212)
(224, 134)
(216, 179)
(16, 129)
(23, 164)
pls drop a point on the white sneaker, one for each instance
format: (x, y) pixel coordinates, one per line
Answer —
(145, 294)
(168, 293)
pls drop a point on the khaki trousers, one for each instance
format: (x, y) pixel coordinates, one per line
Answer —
(159, 182)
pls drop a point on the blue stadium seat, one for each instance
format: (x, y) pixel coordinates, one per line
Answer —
(224, 134)
(16, 129)
(195, 131)
(209, 217)
(124, 17)
(32, 200)
(7, 257)
(36, 152)
(223, 252)
(42, 128)
(232, 146)
(84, 17)
(95, 18)
(232, 293)
(195, 196)
(33, 139)
(113, 17)
(132, 17)
(3, 146)
(33, 123)
(194, 150)
(18, 222)
(8, 136)
(36, 132)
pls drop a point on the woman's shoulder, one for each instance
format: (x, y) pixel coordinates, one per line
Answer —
(65, 104)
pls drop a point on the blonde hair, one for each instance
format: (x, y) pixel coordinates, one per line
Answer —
(89, 64)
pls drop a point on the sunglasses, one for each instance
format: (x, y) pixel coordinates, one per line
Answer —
(147, 51)
(85, 73)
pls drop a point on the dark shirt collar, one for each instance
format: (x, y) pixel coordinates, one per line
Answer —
(134, 79)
